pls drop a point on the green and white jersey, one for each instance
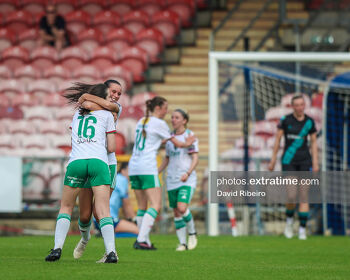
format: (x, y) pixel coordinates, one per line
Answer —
(144, 155)
(180, 162)
(112, 160)
(89, 135)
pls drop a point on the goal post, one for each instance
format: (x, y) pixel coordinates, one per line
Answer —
(214, 88)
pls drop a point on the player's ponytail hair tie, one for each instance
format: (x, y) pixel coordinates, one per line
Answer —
(184, 114)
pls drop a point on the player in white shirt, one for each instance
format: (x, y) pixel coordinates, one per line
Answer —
(88, 161)
(86, 205)
(151, 131)
(181, 179)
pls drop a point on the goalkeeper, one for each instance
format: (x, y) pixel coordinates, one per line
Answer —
(296, 156)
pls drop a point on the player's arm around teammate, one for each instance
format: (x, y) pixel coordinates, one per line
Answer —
(181, 180)
(88, 161)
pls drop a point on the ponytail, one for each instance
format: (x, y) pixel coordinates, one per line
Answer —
(150, 105)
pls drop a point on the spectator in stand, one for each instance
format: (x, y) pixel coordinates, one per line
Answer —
(53, 29)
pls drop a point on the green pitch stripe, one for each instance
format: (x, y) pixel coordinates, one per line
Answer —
(152, 212)
(106, 221)
(179, 223)
(63, 216)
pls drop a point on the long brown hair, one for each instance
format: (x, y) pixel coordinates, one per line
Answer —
(150, 105)
(75, 92)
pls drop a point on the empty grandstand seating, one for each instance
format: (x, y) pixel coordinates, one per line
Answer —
(136, 20)
(19, 20)
(106, 21)
(28, 38)
(33, 6)
(73, 57)
(111, 39)
(27, 73)
(104, 57)
(44, 57)
(7, 38)
(136, 60)
(120, 39)
(14, 57)
(152, 41)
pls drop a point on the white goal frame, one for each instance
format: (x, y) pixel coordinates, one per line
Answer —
(214, 59)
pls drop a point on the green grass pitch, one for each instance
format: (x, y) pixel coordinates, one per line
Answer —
(221, 257)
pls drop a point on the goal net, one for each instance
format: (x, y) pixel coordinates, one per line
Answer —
(249, 93)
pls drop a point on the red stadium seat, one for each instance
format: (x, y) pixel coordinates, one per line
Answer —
(89, 39)
(120, 143)
(317, 100)
(132, 112)
(127, 128)
(64, 113)
(151, 40)
(122, 7)
(184, 8)
(141, 98)
(120, 39)
(41, 87)
(151, 6)
(62, 86)
(265, 129)
(92, 7)
(5, 72)
(19, 20)
(14, 57)
(254, 142)
(7, 38)
(106, 21)
(12, 87)
(119, 73)
(57, 73)
(124, 100)
(34, 141)
(6, 141)
(202, 4)
(21, 127)
(64, 6)
(25, 99)
(73, 57)
(136, 60)
(8, 6)
(87, 73)
(167, 22)
(28, 38)
(54, 100)
(62, 142)
(77, 21)
(11, 112)
(27, 73)
(38, 113)
(103, 57)
(52, 127)
(136, 20)
(33, 6)
(44, 57)
(5, 100)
